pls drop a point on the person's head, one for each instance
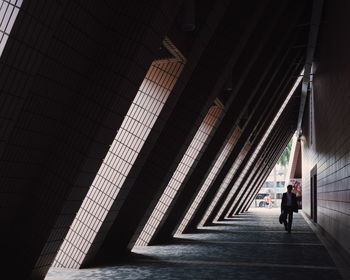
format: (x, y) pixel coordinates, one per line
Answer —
(289, 188)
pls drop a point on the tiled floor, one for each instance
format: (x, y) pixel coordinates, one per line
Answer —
(252, 245)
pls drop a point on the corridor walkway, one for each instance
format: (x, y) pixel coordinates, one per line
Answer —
(252, 245)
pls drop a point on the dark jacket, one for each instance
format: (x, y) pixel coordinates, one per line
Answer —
(294, 202)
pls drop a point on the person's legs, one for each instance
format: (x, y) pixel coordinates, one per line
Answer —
(285, 219)
(290, 220)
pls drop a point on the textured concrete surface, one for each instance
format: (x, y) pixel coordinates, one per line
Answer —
(252, 245)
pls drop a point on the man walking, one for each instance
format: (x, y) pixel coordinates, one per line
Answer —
(288, 206)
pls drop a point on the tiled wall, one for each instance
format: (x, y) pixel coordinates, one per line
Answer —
(326, 126)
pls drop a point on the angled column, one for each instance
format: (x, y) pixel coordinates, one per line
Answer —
(291, 87)
(282, 125)
(277, 62)
(261, 178)
(190, 158)
(239, 183)
(168, 142)
(258, 180)
(281, 83)
(215, 147)
(258, 170)
(167, 233)
(251, 195)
